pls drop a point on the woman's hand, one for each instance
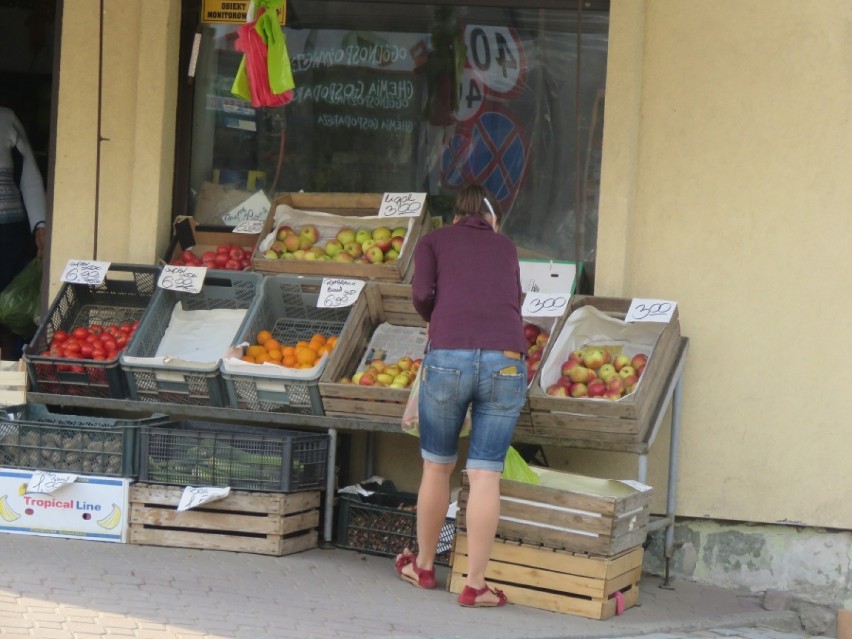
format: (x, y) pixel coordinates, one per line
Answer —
(39, 239)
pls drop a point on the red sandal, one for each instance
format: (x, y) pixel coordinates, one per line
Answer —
(425, 578)
(467, 597)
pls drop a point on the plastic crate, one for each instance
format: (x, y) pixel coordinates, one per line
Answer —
(122, 297)
(287, 308)
(245, 457)
(385, 530)
(32, 437)
(192, 384)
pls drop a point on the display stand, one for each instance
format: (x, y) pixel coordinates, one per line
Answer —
(672, 396)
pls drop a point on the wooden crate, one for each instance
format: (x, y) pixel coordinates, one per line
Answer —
(559, 581)
(263, 523)
(343, 208)
(583, 514)
(13, 383)
(380, 302)
(624, 421)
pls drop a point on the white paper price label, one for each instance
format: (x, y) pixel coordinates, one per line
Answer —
(46, 482)
(338, 293)
(249, 226)
(194, 496)
(85, 272)
(646, 310)
(402, 204)
(186, 279)
(254, 208)
(544, 305)
(635, 484)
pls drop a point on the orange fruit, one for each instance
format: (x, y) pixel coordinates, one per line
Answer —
(249, 359)
(253, 350)
(319, 338)
(289, 361)
(275, 355)
(331, 341)
(272, 345)
(261, 358)
(322, 350)
(262, 336)
(306, 355)
(302, 343)
(288, 350)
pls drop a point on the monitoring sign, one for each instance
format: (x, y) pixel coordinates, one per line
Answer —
(230, 12)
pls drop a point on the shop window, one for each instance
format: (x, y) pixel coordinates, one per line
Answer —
(403, 96)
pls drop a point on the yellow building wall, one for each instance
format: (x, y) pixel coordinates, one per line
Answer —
(725, 187)
(116, 207)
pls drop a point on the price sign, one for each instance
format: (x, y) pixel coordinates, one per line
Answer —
(85, 272)
(45, 482)
(339, 293)
(254, 208)
(249, 226)
(187, 279)
(402, 204)
(194, 496)
(544, 305)
(645, 310)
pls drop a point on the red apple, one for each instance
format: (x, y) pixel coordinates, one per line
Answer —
(616, 384)
(397, 242)
(309, 232)
(579, 390)
(531, 331)
(594, 358)
(541, 338)
(621, 361)
(374, 255)
(596, 388)
(556, 390)
(639, 361)
(579, 374)
(567, 366)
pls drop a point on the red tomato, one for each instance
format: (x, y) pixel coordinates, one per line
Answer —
(126, 328)
(80, 332)
(121, 342)
(223, 248)
(188, 255)
(236, 253)
(232, 265)
(86, 351)
(109, 344)
(98, 353)
(221, 259)
(60, 336)
(77, 369)
(97, 329)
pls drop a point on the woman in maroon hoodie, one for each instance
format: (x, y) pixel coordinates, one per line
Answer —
(467, 287)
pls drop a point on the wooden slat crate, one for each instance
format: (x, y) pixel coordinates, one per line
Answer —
(380, 302)
(620, 422)
(189, 234)
(346, 205)
(598, 516)
(559, 581)
(262, 523)
(13, 383)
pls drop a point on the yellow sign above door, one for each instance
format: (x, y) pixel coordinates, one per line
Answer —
(231, 11)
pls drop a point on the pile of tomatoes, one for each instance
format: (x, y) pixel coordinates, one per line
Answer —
(96, 342)
(226, 256)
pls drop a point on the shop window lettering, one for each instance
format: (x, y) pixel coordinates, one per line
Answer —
(372, 55)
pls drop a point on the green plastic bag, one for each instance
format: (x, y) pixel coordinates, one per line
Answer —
(241, 87)
(516, 469)
(277, 58)
(19, 301)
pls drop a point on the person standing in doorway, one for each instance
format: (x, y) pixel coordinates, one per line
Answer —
(467, 287)
(22, 212)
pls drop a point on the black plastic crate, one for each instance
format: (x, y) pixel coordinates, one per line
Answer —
(121, 298)
(287, 308)
(32, 437)
(387, 530)
(194, 453)
(198, 385)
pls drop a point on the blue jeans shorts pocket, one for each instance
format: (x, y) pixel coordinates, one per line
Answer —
(440, 384)
(508, 392)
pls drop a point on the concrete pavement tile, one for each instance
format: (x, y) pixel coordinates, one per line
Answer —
(12, 607)
(15, 621)
(53, 634)
(87, 628)
(153, 634)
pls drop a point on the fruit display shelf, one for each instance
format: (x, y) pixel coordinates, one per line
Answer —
(327, 214)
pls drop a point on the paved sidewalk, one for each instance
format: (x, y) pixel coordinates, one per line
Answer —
(55, 588)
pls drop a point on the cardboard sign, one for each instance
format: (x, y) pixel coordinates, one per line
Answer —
(231, 12)
(548, 276)
(402, 204)
(187, 279)
(89, 508)
(254, 208)
(85, 272)
(338, 292)
(646, 310)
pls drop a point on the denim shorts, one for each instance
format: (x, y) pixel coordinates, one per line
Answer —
(492, 384)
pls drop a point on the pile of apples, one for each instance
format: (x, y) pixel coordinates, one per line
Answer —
(536, 342)
(95, 342)
(594, 372)
(398, 374)
(226, 257)
(363, 245)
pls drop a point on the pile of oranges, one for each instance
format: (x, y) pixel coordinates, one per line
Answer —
(302, 354)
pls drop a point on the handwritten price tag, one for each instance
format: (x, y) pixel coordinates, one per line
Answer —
(402, 204)
(644, 310)
(85, 272)
(544, 305)
(254, 208)
(187, 279)
(45, 482)
(193, 497)
(250, 227)
(338, 293)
